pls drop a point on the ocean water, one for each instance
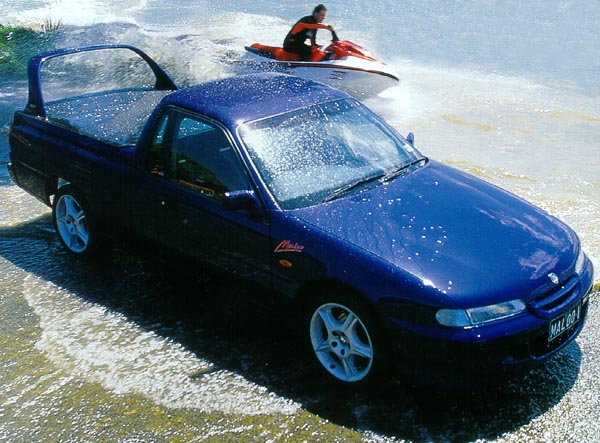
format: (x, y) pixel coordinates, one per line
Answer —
(508, 90)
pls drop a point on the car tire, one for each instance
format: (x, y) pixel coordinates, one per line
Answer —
(74, 226)
(346, 339)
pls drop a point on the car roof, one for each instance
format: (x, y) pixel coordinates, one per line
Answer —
(239, 99)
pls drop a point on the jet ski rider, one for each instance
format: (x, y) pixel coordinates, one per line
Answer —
(306, 28)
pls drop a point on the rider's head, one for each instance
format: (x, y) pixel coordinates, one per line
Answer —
(319, 13)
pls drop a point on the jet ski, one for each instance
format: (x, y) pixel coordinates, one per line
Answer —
(341, 64)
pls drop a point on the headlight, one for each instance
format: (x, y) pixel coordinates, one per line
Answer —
(580, 263)
(462, 318)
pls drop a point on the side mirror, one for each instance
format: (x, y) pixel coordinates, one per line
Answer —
(240, 200)
(410, 138)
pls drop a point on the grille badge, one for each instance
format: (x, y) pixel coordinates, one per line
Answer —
(553, 278)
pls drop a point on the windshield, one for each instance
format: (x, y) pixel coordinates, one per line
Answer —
(314, 154)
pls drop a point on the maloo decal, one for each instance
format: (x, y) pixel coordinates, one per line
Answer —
(288, 246)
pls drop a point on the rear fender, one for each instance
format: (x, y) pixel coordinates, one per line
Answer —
(34, 182)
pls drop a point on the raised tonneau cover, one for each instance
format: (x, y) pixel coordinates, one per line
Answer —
(115, 117)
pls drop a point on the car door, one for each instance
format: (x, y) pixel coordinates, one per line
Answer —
(190, 164)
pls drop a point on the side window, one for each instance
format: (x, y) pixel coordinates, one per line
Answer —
(197, 155)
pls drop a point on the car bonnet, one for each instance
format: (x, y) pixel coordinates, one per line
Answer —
(454, 232)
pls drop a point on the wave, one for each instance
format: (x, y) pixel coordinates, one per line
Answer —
(72, 12)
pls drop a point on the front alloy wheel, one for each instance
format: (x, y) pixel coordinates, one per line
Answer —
(341, 342)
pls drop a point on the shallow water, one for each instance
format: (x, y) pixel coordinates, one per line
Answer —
(127, 351)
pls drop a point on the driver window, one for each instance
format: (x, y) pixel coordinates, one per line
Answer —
(195, 154)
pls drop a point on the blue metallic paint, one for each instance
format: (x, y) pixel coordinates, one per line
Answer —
(458, 235)
(234, 101)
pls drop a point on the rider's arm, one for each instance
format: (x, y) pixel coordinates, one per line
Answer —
(299, 27)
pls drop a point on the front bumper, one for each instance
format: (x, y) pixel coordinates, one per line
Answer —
(489, 353)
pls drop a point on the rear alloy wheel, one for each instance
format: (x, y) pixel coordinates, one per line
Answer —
(342, 340)
(72, 222)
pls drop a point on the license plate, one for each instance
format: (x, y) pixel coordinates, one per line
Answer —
(564, 323)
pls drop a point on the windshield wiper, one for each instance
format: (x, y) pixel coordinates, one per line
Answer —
(383, 177)
(353, 185)
(392, 174)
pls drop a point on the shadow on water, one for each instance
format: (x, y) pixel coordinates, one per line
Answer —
(238, 328)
